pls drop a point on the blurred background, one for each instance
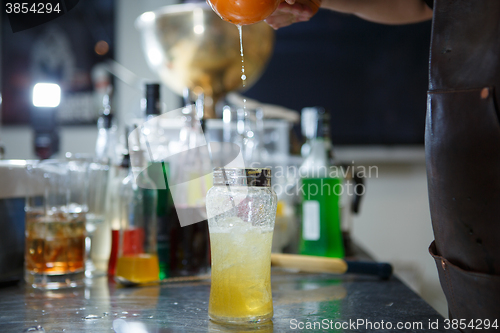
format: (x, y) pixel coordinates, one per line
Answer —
(371, 79)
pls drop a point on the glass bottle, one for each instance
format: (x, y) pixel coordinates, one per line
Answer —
(309, 127)
(104, 170)
(312, 120)
(113, 211)
(322, 190)
(189, 241)
(137, 253)
(106, 133)
(159, 170)
(153, 128)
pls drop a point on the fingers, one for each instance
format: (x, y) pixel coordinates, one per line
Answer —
(296, 8)
(301, 12)
(287, 14)
(280, 20)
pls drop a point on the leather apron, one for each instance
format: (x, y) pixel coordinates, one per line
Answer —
(462, 143)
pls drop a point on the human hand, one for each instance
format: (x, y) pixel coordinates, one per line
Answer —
(289, 12)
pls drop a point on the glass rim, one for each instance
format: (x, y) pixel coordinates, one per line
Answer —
(236, 169)
(259, 177)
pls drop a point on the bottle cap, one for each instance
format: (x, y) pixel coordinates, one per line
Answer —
(107, 120)
(309, 122)
(315, 122)
(242, 177)
(153, 99)
(107, 110)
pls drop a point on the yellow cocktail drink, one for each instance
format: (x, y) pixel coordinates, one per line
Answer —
(241, 211)
(241, 274)
(138, 268)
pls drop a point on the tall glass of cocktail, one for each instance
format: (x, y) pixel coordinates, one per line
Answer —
(241, 208)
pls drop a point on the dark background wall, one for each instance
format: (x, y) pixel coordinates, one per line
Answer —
(371, 77)
(69, 57)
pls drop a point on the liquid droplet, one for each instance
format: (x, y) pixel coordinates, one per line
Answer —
(91, 317)
(175, 303)
(243, 77)
(35, 329)
(150, 317)
(105, 314)
(125, 312)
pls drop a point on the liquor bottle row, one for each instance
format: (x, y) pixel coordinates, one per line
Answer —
(145, 236)
(141, 238)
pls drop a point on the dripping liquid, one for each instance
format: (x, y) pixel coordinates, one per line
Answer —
(243, 75)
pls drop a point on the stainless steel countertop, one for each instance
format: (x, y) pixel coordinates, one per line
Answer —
(103, 307)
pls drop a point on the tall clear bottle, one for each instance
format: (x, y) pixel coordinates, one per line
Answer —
(137, 253)
(322, 190)
(105, 158)
(106, 133)
(189, 243)
(120, 172)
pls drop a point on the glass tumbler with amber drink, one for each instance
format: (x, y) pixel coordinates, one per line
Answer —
(55, 224)
(241, 208)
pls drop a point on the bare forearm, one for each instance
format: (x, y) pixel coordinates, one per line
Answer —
(382, 11)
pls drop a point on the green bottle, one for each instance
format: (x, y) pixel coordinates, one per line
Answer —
(321, 231)
(321, 234)
(159, 171)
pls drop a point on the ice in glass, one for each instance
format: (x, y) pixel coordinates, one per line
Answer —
(242, 209)
(55, 224)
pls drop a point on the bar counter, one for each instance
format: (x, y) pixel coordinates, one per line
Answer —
(301, 300)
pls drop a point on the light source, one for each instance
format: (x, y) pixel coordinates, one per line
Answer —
(46, 99)
(46, 95)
